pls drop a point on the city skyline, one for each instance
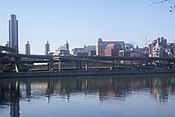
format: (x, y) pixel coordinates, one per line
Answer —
(83, 22)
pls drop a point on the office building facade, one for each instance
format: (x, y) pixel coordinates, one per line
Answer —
(47, 48)
(27, 47)
(13, 32)
(109, 48)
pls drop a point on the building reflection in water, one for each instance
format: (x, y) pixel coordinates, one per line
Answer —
(105, 88)
(10, 94)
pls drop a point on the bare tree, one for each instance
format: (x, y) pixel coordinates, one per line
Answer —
(171, 2)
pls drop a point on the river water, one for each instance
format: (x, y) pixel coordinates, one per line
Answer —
(89, 96)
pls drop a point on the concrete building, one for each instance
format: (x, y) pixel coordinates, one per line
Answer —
(157, 50)
(126, 52)
(109, 48)
(79, 52)
(91, 50)
(139, 52)
(47, 48)
(170, 50)
(27, 47)
(108, 51)
(157, 47)
(62, 51)
(171, 47)
(143, 50)
(13, 32)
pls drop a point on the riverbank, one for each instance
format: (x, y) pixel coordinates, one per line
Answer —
(81, 73)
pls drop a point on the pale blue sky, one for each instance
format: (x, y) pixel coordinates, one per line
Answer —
(82, 22)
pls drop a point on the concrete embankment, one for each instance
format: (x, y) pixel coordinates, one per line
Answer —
(81, 73)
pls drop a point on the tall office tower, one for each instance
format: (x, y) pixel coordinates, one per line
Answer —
(47, 48)
(13, 32)
(27, 46)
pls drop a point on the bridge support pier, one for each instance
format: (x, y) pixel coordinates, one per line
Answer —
(17, 66)
(114, 64)
(78, 64)
(117, 62)
(50, 65)
(112, 67)
(59, 65)
(86, 66)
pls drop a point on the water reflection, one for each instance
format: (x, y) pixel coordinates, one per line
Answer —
(10, 95)
(103, 87)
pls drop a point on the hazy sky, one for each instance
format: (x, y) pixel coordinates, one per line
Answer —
(82, 22)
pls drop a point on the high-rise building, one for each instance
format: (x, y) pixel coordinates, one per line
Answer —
(27, 46)
(47, 48)
(13, 32)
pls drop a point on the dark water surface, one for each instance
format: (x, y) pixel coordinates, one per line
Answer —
(93, 96)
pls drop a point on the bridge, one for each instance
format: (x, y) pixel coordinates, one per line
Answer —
(7, 49)
(59, 63)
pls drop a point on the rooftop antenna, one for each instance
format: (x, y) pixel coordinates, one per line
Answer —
(145, 39)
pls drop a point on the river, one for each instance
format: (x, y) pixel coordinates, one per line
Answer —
(89, 96)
